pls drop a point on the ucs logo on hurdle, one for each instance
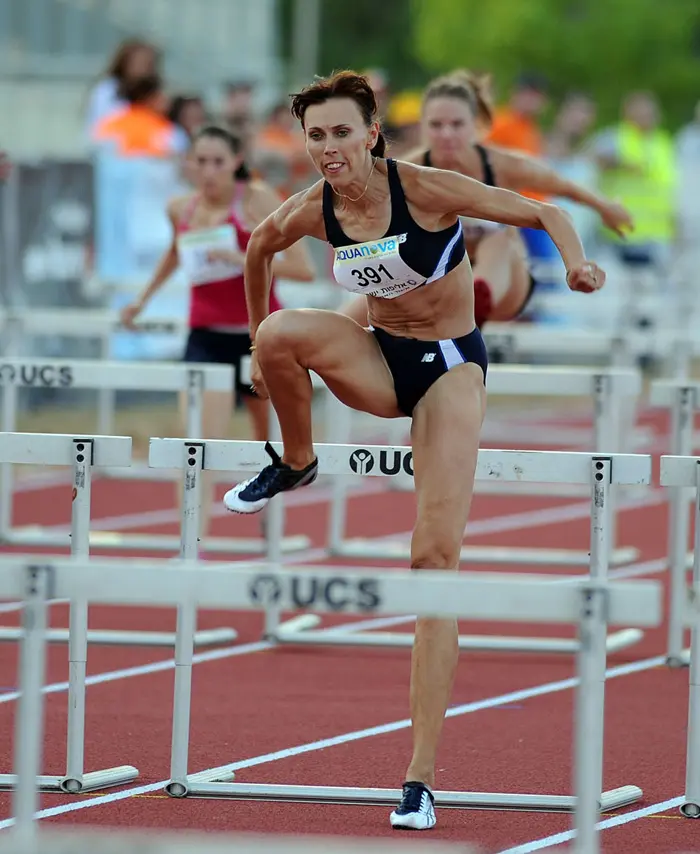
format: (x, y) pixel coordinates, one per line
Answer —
(36, 376)
(290, 592)
(391, 461)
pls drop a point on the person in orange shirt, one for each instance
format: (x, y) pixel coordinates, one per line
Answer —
(515, 126)
(142, 129)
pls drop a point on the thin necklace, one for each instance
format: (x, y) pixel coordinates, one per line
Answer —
(343, 196)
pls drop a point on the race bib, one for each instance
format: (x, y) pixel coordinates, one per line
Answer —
(375, 268)
(194, 247)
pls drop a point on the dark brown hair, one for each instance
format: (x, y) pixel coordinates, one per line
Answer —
(232, 141)
(342, 84)
(466, 86)
(118, 63)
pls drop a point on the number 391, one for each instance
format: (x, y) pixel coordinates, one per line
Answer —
(370, 276)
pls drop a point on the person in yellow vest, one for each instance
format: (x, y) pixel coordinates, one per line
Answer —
(637, 163)
(638, 168)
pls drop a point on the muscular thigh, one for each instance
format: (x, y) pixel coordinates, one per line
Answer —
(345, 356)
(445, 438)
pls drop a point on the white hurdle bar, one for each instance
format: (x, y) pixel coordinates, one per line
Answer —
(588, 604)
(684, 472)
(82, 454)
(20, 325)
(608, 390)
(682, 398)
(119, 376)
(599, 472)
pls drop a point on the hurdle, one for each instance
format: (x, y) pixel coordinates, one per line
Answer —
(82, 453)
(119, 376)
(682, 397)
(85, 454)
(87, 324)
(588, 604)
(341, 460)
(608, 389)
(683, 473)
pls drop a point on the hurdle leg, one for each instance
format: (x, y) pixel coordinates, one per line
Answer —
(75, 779)
(29, 723)
(9, 420)
(691, 803)
(590, 697)
(339, 419)
(681, 445)
(177, 786)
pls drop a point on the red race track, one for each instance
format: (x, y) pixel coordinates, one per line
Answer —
(338, 716)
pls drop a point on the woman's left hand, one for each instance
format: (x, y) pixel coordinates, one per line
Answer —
(586, 278)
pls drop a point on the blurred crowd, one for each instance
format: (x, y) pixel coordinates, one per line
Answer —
(133, 113)
(636, 157)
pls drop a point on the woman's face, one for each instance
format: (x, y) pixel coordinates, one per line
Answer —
(338, 140)
(215, 165)
(140, 63)
(448, 125)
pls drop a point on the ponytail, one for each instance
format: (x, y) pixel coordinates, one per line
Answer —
(379, 149)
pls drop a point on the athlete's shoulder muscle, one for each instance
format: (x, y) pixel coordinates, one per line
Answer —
(301, 215)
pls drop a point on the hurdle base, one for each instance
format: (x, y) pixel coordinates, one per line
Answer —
(679, 661)
(90, 782)
(113, 637)
(614, 799)
(363, 548)
(219, 776)
(292, 633)
(689, 809)
(33, 535)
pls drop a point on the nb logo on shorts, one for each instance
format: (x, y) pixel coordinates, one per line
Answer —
(428, 357)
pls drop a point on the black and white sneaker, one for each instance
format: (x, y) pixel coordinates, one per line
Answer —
(416, 810)
(252, 495)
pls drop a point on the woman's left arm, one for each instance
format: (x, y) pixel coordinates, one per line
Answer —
(295, 262)
(520, 172)
(449, 193)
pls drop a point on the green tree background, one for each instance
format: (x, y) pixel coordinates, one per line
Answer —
(603, 47)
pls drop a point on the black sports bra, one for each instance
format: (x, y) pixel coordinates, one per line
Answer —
(489, 176)
(406, 257)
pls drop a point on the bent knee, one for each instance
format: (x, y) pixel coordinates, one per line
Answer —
(282, 330)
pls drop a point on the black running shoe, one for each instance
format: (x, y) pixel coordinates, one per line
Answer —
(252, 495)
(416, 810)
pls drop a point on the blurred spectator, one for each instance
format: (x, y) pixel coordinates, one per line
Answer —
(379, 82)
(688, 152)
(568, 154)
(142, 128)
(133, 59)
(5, 165)
(516, 124)
(572, 124)
(638, 166)
(280, 152)
(403, 117)
(237, 112)
(188, 113)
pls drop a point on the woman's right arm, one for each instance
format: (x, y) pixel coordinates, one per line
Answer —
(166, 267)
(300, 216)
